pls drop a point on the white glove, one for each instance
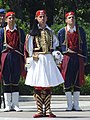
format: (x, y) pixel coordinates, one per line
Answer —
(57, 56)
(29, 62)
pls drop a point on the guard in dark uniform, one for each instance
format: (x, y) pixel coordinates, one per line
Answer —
(12, 41)
(2, 15)
(73, 45)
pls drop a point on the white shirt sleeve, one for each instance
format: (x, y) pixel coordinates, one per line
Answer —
(55, 41)
(30, 45)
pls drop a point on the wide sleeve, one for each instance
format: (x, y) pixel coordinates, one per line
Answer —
(83, 43)
(28, 47)
(62, 41)
(1, 39)
(55, 41)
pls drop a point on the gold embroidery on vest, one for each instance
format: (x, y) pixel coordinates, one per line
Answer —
(5, 43)
(66, 41)
(44, 41)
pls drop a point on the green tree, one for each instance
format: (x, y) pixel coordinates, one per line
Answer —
(25, 12)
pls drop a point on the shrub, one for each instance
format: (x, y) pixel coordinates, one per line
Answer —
(24, 89)
(85, 90)
(58, 90)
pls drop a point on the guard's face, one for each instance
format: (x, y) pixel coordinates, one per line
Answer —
(2, 18)
(42, 19)
(70, 19)
(10, 20)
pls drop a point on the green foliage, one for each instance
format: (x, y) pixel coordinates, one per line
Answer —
(3, 4)
(86, 88)
(57, 27)
(24, 25)
(24, 89)
(58, 90)
(80, 7)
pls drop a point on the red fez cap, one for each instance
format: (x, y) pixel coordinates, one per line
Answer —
(69, 13)
(40, 12)
(9, 14)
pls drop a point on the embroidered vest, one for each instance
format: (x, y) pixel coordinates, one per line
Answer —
(79, 40)
(5, 43)
(43, 43)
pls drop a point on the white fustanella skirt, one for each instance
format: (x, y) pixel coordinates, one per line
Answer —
(44, 72)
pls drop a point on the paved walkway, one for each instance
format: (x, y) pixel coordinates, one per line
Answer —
(58, 105)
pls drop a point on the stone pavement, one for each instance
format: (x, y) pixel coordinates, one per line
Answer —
(58, 105)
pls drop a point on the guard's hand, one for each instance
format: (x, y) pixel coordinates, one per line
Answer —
(35, 57)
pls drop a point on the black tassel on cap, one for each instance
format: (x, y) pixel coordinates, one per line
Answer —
(35, 31)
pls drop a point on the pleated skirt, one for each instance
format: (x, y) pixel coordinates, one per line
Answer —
(44, 72)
